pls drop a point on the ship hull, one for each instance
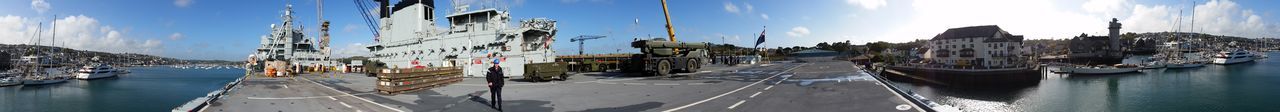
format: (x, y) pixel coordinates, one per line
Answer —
(1188, 65)
(1225, 61)
(43, 82)
(90, 76)
(1019, 76)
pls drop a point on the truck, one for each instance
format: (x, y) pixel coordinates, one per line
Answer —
(662, 58)
(546, 71)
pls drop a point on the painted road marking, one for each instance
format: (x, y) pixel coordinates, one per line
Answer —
(345, 104)
(305, 97)
(530, 84)
(331, 97)
(754, 95)
(348, 94)
(285, 85)
(736, 104)
(665, 84)
(730, 92)
(767, 88)
(780, 81)
(635, 83)
(886, 87)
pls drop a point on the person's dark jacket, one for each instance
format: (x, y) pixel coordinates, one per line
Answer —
(494, 76)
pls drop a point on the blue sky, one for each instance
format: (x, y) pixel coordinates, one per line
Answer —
(230, 29)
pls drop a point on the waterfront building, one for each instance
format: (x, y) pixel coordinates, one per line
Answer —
(976, 46)
(974, 55)
(1085, 49)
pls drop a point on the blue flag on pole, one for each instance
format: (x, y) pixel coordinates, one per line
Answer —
(760, 40)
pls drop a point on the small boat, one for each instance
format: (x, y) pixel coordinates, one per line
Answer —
(1185, 64)
(9, 81)
(1154, 65)
(42, 80)
(1115, 69)
(1233, 57)
(96, 71)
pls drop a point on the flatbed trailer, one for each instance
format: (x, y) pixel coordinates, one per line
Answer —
(663, 66)
(594, 63)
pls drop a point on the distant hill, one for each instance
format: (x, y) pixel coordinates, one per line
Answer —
(73, 56)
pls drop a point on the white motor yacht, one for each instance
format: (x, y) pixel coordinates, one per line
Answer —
(1233, 57)
(96, 71)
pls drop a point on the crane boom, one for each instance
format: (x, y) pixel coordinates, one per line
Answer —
(671, 31)
(580, 39)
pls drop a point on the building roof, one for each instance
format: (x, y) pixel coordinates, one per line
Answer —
(808, 51)
(978, 31)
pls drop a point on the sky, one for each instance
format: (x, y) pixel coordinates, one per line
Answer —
(231, 29)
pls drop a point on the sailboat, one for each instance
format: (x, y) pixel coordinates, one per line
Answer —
(1179, 53)
(34, 71)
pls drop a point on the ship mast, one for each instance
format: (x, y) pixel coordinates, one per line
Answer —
(324, 28)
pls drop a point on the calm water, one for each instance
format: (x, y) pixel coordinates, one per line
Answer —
(147, 89)
(1247, 87)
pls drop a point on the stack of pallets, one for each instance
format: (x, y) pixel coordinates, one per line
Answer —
(396, 81)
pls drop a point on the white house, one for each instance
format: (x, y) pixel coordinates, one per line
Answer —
(975, 46)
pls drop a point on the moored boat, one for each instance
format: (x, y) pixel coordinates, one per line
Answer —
(1233, 57)
(1115, 69)
(96, 71)
(43, 80)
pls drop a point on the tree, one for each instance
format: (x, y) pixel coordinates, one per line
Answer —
(823, 46)
(878, 46)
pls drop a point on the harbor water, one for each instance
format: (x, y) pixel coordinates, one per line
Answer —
(146, 89)
(1245, 87)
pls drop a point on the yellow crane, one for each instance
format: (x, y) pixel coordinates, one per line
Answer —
(671, 30)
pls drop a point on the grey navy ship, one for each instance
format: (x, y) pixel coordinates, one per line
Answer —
(407, 38)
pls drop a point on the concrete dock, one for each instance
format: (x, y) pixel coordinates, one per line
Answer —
(819, 84)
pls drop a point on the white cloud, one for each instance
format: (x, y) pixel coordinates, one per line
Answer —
(1213, 17)
(749, 7)
(353, 49)
(799, 31)
(76, 32)
(868, 4)
(1033, 18)
(1108, 8)
(40, 6)
(764, 16)
(729, 7)
(1039, 19)
(176, 36)
(1150, 19)
(183, 3)
(1228, 18)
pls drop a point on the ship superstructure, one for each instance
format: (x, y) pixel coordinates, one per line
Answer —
(408, 38)
(288, 43)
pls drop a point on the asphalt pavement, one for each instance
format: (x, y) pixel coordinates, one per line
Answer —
(817, 84)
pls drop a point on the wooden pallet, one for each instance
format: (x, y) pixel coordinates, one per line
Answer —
(397, 81)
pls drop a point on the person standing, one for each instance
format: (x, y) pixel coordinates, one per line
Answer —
(495, 85)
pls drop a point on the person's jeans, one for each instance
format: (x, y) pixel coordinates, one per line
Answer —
(495, 97)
